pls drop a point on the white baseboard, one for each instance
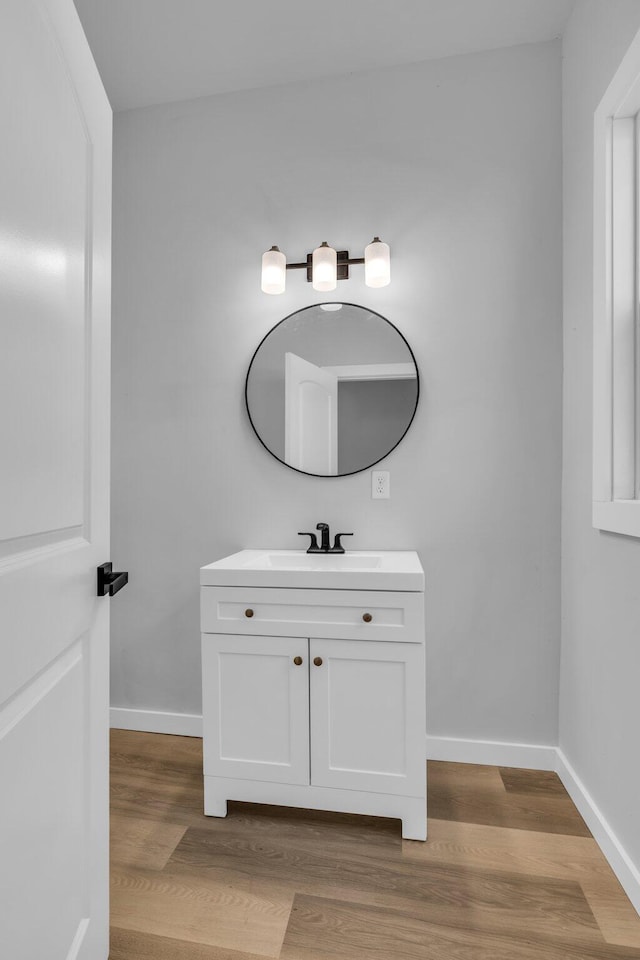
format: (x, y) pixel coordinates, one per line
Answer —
(156, 721)
(619, 861)
(495, 753)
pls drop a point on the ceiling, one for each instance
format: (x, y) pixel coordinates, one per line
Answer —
(155, 51)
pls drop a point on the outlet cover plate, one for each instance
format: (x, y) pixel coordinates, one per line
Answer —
(380, 485)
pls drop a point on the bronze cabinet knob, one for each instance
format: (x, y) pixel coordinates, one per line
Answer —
(317, 661)
(248, 613)
(297, 661)
(367, 617)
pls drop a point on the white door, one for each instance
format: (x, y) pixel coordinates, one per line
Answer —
(255, 706)
(367, 716)
(311, 417)
(55, 208)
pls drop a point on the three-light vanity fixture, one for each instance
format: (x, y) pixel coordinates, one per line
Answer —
(325, 266)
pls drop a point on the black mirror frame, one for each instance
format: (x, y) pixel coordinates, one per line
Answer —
(330, 476)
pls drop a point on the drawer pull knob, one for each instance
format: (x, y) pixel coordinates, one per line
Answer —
(367, 617)
(317, 661)
(297, 661)
(248, 613)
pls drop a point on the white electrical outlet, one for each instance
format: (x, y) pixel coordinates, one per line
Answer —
(380, 485)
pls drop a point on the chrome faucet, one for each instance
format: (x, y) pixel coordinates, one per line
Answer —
(324, 541)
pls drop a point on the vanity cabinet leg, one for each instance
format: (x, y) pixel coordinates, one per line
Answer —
(414, 820)
(215, 803)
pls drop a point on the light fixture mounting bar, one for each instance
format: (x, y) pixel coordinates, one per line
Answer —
(344, 260)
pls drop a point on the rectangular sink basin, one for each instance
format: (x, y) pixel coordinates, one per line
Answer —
(353, 570)
(315, 561)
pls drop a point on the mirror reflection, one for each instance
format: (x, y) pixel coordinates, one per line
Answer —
(332, 389)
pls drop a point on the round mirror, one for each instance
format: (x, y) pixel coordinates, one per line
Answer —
(332, 389)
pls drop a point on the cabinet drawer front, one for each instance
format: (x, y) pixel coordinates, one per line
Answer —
(346, 614)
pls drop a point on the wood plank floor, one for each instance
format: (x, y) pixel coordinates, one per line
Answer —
(509, 872)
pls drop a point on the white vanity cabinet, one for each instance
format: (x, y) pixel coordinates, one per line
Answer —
(314, 698)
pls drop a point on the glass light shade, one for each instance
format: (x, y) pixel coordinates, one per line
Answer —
(325, 268)
(377, 263)
(274, 271)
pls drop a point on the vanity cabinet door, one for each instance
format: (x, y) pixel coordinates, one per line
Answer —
(256, 707)
(368, 716)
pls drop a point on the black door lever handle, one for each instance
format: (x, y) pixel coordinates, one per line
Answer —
(110, 582)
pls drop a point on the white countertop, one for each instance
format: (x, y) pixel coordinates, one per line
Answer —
(352, 570)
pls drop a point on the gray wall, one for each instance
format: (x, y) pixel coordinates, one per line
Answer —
(457, 164)
(600, 668)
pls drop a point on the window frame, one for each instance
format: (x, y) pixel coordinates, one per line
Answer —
(616, 288)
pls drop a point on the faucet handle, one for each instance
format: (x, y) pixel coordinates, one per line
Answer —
(313, 546)
(337, 546)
